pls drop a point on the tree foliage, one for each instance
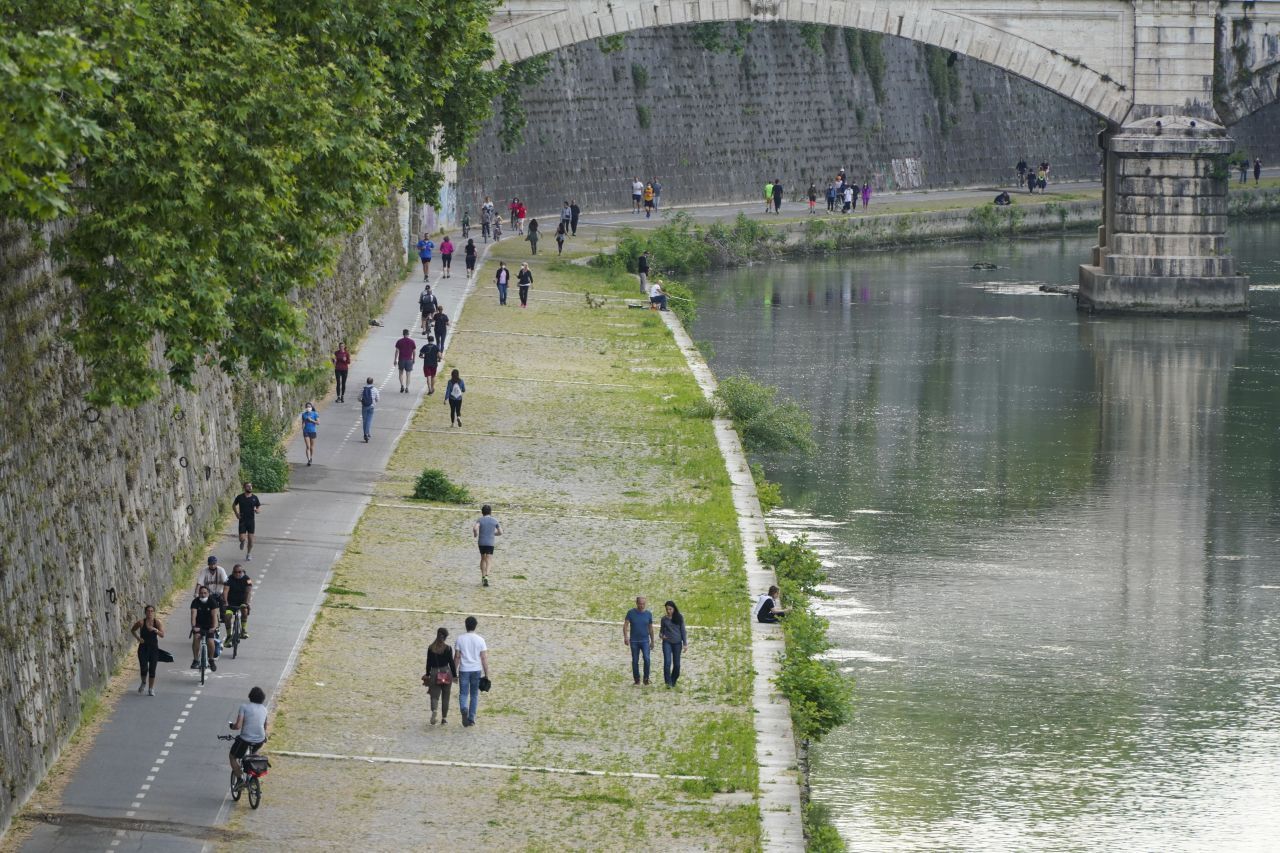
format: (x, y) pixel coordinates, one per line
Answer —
(211, 152)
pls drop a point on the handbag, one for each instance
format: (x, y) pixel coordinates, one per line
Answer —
(163, 656)
(443, 677)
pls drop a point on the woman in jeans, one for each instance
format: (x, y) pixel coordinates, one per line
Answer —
(441, 674)
(674, 641)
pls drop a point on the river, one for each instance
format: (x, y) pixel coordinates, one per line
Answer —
(1053, 544)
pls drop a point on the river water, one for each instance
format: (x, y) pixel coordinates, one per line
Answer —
(1053, 544)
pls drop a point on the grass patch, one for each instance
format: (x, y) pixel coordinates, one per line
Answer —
(334, 589)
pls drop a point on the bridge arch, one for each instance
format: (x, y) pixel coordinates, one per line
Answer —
(1090, 68)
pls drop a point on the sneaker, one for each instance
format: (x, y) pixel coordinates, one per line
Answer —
(151, 691)
(444, 720)
(484, 581)
(195, 664)
(141, 687)
(637, 682)
(308, 463)
(646, 682)
(244, 635)
(248, 558)
(213, 665)
(241, 544)
(433, 718)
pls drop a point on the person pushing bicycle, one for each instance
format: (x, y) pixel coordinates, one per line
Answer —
(239, 597)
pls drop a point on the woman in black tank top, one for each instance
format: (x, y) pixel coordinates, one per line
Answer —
(148, 631)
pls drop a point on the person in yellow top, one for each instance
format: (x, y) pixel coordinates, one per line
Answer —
(648, 200)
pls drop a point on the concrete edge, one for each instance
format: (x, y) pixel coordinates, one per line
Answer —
(781, 816)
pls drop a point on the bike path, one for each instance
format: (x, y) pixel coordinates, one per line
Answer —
(155, 779)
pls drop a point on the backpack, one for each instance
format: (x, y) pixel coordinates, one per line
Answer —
(456, 391)
(366, 396)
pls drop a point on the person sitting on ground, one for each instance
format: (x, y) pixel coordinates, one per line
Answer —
(767, 607)
(1003, 199)
(657, 298)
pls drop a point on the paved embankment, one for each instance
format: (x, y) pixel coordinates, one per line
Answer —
(152, 777)
(587, 432)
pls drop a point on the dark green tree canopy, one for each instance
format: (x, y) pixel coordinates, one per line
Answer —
(208, 154)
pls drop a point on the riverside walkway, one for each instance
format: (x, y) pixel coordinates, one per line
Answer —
(581, 430)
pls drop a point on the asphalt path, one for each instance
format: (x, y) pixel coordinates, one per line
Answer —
(155, 779)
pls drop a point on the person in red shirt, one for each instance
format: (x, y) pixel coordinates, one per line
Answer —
(406, 353)
(521, 213)
(341, 364)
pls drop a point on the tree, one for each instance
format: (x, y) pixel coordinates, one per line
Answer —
(213, 151)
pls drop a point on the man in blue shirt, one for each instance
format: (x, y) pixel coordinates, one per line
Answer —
(637, 633)
(425, 247)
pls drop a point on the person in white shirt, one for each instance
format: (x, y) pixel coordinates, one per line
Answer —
(657, 299)
(214, 577)
(637, 193)
(767, 607)
(471, 659)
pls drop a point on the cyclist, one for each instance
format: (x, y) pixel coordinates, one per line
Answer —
(239, 594)
(251, 722)
(215, 578)
(204, 619)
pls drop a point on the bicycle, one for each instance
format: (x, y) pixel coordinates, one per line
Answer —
(234, 629)
(255, 766)
(203, 658)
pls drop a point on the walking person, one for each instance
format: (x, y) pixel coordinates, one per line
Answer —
(642, 267)
(246, 506)
(469, 255)
(637, 635)
(777, 196)
(341, 365)
(471, 660)
(848, 198)
(446, 257)
(813, 198)
(768, 196)
(532, 236)
(514, 207)
(406, 352)
(675, 641)
(310, 428)
(147, 631)
(453, 391)
(647, 194)
(1257, 170)
(441, 321)
(521, 213)
(442, 671)
(866, 196)
(524, 279)
(574, 213)
(502, 278)
(425, 248)
(566, 216)
(560, 235)
(485, 531)
(637, 193)
(368, 402)
(430, 355)
(657, 193)
(831, 198)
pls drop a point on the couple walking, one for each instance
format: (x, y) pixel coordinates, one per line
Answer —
(637, 634)
(468, 664)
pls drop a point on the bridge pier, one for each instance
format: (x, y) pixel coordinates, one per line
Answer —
(1162, 245)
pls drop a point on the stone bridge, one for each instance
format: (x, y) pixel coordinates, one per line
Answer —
(1168, 77)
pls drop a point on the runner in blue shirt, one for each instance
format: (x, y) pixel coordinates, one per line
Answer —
(425, 247)
(310, 427)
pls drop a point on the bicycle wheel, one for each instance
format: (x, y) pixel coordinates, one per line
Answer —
(204, 659)
(235, 786)
(255, 791)
(235, 637)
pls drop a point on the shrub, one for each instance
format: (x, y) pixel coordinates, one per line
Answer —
(262, 459)
(821, 836)
(798, 568)
(769, 492)
(764, 422)
(639, 76)
(680, 300)
(643, 117)
(433, 485)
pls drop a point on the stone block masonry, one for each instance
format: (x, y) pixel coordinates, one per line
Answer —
(103, 510)
(714, 126)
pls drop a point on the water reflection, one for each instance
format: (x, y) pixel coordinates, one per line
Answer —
(1052, 544)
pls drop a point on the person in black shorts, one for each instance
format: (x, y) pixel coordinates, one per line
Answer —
(245, 506)
(470, 252)
(239, 594)
(204, 619)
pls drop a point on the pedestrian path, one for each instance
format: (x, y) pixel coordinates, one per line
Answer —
(155, 778)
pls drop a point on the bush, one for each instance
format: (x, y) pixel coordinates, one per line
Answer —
(821, 836)
(769, 492)
(681, 301)
(798, 568)
(262, 459)
(764, 422)
(433, 485)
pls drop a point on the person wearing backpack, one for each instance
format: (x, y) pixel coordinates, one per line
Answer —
(368, 402)
(453, 396)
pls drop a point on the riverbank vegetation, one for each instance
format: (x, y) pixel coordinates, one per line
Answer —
(262, 460)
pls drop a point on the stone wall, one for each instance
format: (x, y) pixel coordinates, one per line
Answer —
(721, 124)
(104, 511)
